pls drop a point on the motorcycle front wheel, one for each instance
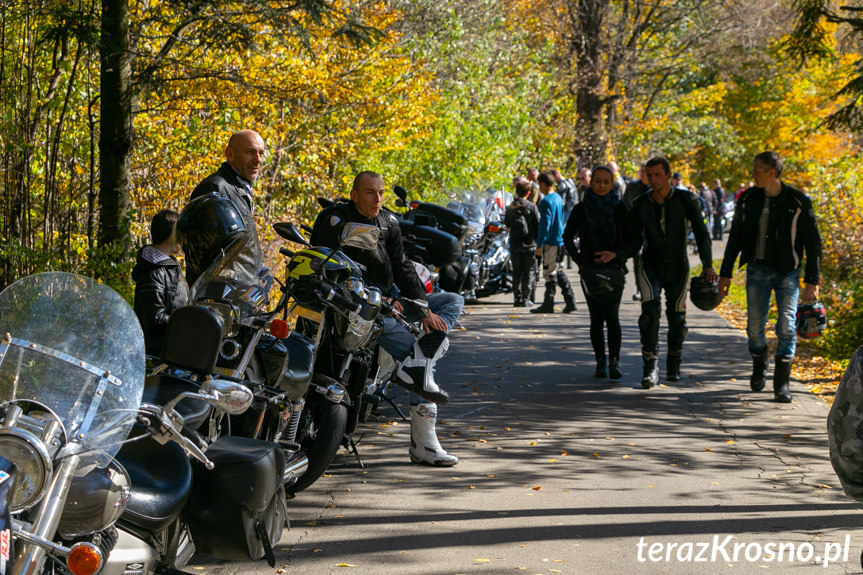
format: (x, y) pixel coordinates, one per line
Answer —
(324, 435)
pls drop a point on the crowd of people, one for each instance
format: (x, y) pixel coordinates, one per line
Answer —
(603, 221)
(597, 224)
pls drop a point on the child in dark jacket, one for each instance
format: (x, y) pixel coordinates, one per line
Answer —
(160, 286)
(522, 220)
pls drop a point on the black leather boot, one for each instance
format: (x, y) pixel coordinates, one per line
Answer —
(672, 366)
(650, 376)
(759, 368)
(781, 379)
(546, 307)
(614, 369)
(601, 368)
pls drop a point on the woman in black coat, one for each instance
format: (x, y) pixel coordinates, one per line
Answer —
(599, 223)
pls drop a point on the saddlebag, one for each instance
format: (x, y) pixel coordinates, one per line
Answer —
(237, 509)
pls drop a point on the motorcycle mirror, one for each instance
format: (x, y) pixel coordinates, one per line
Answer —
(228, 396)
(289, 231)
(401, 193)
(362, 236)
(401, 203)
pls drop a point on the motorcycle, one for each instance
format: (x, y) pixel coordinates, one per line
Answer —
(443, 233)
(101, 482)
(493, 268)
(343, 317)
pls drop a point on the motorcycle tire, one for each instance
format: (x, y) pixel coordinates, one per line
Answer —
(330, 420)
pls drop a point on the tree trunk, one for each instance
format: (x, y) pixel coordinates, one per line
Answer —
(588, 19)
(115, 138)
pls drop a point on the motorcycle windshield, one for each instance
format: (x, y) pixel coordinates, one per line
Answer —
(75, 347)
(222, 283)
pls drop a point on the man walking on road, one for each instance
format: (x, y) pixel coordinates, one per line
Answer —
(773, 226)
(659, 226)
(549, 244)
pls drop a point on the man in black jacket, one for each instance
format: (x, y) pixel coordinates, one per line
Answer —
(773, 226)
(160, 287)
(235, 178)
(660, 221)
(386, 267)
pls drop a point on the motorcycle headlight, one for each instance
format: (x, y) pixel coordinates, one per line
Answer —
(358, 331)
(33, 467)
(357, 286)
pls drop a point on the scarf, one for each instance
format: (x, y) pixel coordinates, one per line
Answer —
(599, 212)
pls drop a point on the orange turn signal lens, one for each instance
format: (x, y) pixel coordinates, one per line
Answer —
(494, 229)
(84, 559)
(280, 328)
(415, 205)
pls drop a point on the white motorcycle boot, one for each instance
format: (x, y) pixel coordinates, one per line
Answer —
(425, 447)
(416, 373)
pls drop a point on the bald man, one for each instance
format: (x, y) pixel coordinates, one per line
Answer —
(244, 157)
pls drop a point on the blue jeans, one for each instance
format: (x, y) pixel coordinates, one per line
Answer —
(760, 281)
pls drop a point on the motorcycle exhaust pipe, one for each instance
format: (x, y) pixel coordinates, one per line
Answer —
(290, 468)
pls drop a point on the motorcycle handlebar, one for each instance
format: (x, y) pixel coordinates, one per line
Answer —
(167, 426)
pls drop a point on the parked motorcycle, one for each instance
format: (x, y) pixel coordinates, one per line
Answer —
(457, 267)
(343, 317)
(101, 483)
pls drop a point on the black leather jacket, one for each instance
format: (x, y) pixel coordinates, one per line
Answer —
(791, 229)
(160, 289)
(227, 181)
(668, 249)
(519, 241)
(584, 254)
(386, 265)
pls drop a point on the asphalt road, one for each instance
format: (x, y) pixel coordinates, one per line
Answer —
(561, 472)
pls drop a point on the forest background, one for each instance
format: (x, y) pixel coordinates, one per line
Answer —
(111, 110)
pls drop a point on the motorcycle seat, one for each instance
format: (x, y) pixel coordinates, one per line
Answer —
(162, 388)
(161, 482)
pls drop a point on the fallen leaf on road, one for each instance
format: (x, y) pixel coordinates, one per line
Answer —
(311, 523)
(787, 438)
(316, 550)
(537, 488)
(707, 449)
(547, 433)
(471, 487)
(531, 442)
(346, 565)
(564, 453)
(624, 456)
(598, 456)
(824, 486)
(729, 441)
(482, 560)
(552, 460)
(338, 516)
(609, 439)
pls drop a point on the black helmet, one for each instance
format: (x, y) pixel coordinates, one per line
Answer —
(811, 320)
(704, 294)
(206, 226)
(602, 281)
